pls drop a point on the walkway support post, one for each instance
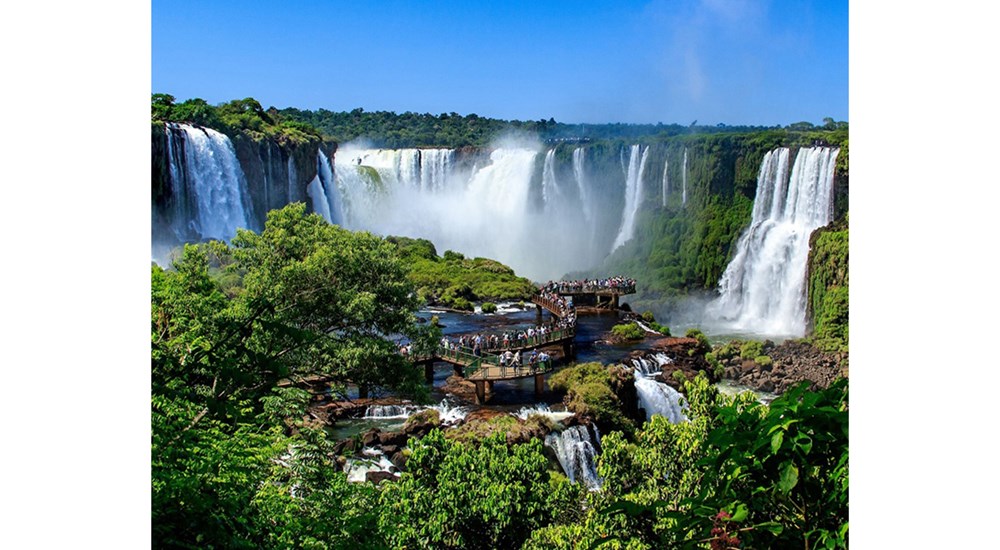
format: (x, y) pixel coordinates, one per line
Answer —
(539, 385)
(538, 314)
(429, 371)
(480, 392)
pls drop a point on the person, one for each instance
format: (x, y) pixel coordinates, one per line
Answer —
(533, 360)
(517, 359)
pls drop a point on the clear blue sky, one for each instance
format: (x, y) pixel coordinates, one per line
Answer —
(731, 61)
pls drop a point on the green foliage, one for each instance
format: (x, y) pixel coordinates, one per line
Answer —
(704, 345)
(664, 330)
(489, 307)
(455, 495)
(241, 116)
(751, 349)
(590, 392)
(313, 299)
(828, 287)
(627, 331)
(457, 282)
(763, 361)
(648, 317)
(770, 476)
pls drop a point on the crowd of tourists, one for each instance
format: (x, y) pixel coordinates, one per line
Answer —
(480, 343)
(622, 284)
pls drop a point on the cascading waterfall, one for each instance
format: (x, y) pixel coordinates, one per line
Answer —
(485, 211)
(576, 448)
(210, 188)
(390, 411)
(370, 460)
(763, 288)
(322, 190)
(552, 196)
(633, 194)
(582, 187)
(684, 180)
(542, 409)
(666, 181)
(657, 397)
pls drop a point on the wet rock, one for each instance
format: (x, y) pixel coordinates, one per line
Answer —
(379, 476)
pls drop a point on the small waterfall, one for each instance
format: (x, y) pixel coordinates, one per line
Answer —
(576, 449)
(633, 195)
(390, 411)
(763, 287)
(449, 413)
(543, 410)
(666, 181)
(371, 460)
(659, 398)
(646, 367)
(684, 179)
(209, 185)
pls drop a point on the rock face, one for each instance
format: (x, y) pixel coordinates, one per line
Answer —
(793, 362)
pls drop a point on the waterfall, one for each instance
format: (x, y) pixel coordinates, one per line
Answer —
(659, 398)
(542, 409)
(371, 460)
(210, 190)
(666, 181)
(582, 187)
(684, 179)
(552, 197)
(329, 182)
(763, 287)
(633, 195)
(390, 411)
(435, 166)
(576, 450)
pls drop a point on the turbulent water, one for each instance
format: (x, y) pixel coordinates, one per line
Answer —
(576, 448)
(515, 204)
(763, 288)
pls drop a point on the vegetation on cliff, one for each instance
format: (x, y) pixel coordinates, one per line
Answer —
(828, 309)
(245, 116)
(599, 392)
(458, 282)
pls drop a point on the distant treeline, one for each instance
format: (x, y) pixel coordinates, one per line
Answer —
(391, 130)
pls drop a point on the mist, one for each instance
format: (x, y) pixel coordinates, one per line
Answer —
(508, 202)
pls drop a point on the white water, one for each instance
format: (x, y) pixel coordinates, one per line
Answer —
(211, 182)
(542, 409)
(371, 460)
(633, 195)
(485, 211)
(582, 187)
(447, 412)
(763, 289)
(576, 449)
(552, 195)
(659, 398)
(666, 181)
(684, 179)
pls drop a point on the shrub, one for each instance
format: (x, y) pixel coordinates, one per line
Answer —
(627, 331)
(763, 360)
(751, 349)
(489, 307)
(704, 345)
(647, 316)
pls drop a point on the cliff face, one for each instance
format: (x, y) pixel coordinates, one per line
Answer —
(828, 279)
(277, 173)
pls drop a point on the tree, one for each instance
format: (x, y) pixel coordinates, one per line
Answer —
(457, 495)
(315, 300)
